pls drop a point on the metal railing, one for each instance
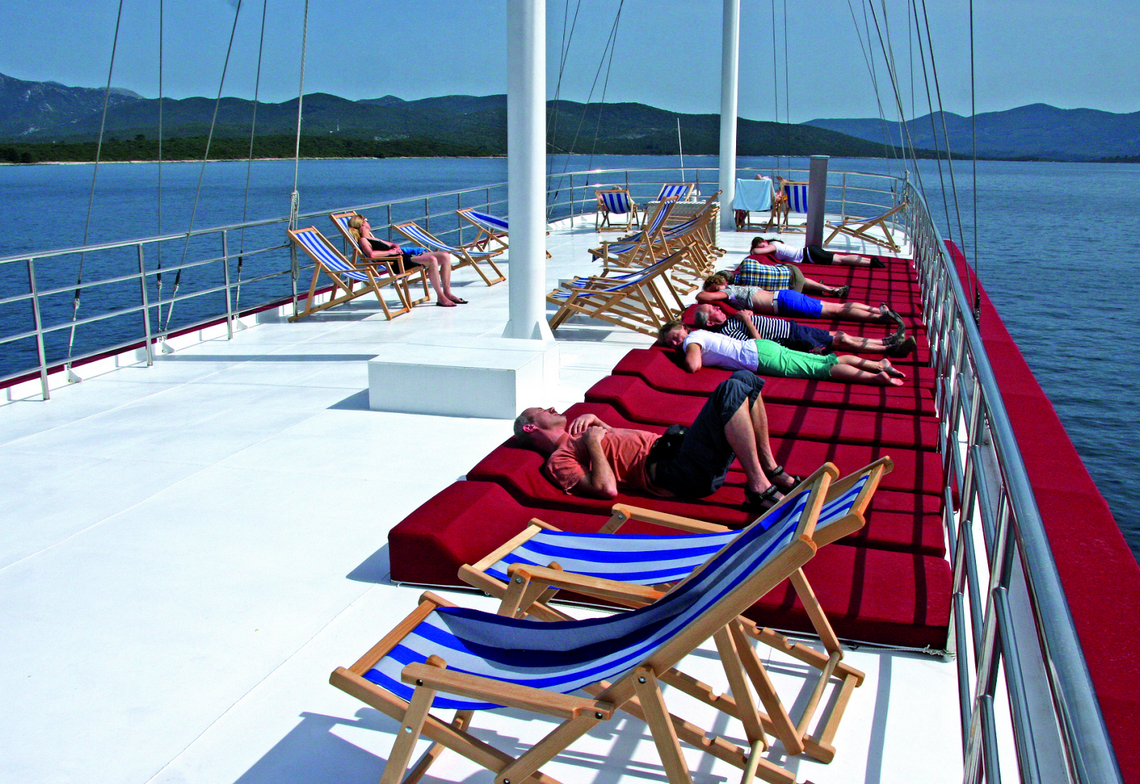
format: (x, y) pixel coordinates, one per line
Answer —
(1012, 626)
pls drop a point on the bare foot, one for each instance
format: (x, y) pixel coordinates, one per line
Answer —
(891, 370)
(445, 303)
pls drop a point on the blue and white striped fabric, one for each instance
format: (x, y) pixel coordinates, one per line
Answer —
(627, 279)
(431, 243)
(641, 560)
(797, 196)
(564, 656)
(681, 191)
(616, 202)
(314, 243)
(626, 247)
(490, 220)
(342, 221)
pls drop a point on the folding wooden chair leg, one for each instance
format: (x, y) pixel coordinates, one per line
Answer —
(408, 734)
(461, 721)
(661, 726)
(545, 750)
(782, 726)
(734, 669)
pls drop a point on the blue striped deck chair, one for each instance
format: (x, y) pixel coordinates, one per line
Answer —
(794, 199)
(644, 247)
(491, 229)
(860, 228)
(681, 190)
(444, 657)
(345, 276)
(641, 300)
(650, 561)
(615, 202)
(465, 255)
(340, 220)
(753, 196)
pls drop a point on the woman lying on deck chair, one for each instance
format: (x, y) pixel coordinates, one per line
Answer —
(438, 263)
(768, 358)
(813, 254)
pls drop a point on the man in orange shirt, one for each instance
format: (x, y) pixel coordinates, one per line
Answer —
(588, 457)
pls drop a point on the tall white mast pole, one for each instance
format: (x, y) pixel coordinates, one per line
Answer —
(729, 76)
(526, 157)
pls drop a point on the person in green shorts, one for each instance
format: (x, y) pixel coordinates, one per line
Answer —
(767, 358)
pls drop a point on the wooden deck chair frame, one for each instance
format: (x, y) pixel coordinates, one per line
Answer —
(487, 233)
(637, 691)
(466, 255)
(534, 588)
(648, 246)
(345, 275)
(634, 300)
(859, 228)
(603, 216)
(340, 220)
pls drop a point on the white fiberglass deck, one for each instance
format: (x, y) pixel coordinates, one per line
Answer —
(188, 550)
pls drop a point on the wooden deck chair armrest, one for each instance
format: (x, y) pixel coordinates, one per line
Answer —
(533, 527)
(623, 513)
(511, 695)
(598, 587)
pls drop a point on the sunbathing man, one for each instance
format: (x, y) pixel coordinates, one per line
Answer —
(813, 254)
(588, 457)
(790, 303)
(746, 325)
(765, 357)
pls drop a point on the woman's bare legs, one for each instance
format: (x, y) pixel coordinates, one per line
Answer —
(857, 370)
(438, 264)
(815, 287)
(856, 311)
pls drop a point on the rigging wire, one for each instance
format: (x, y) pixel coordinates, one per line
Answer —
(94, 174)
(869, 61)
(933, 128)
(945, 135)
(974, 156)
(249, 161)
(158, 201)
(612, 46)
(775, 81)
(295, 196)
(884, 45)
(202, 170)
(787, 91)
(554, 114)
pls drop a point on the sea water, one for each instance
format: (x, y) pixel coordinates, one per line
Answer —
(1056, 253)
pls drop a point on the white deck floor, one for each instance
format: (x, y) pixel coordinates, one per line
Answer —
(188, 550)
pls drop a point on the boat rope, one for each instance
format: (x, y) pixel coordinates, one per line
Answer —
(889, 148)
(974, 156)
(295, 197)
(609, 49)
(201, 173)
(945, 134)
(158, 200)
(91, 196)
(249, 160)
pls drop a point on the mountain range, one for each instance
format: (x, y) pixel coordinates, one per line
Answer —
(42, 113)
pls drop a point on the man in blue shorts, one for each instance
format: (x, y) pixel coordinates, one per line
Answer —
(792, 304)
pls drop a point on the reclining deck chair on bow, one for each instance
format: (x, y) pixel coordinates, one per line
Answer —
(345, 275)
(637, 300)
(859, 228)
(615, 201)
(446, 657)
(492, 229)
(340, 220)
(652, 561)
(641, 249)
(467, 255)
(792, 197)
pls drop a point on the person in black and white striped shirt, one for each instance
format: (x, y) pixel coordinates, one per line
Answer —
(746, 325)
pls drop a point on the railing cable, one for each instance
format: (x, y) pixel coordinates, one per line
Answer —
(94, 174)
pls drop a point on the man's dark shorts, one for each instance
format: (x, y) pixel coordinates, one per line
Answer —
(701, 465)
(812, 340)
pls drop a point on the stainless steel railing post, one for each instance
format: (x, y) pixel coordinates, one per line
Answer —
(146, 309)
(41, 352)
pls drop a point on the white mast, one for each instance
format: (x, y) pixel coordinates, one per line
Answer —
(729, 76)
(526, 158)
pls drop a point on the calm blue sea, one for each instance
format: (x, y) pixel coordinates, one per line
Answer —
(1056, 257)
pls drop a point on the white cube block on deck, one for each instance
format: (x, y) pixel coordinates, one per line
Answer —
(494, 378)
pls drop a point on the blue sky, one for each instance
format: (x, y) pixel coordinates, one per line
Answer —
(668, 51)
